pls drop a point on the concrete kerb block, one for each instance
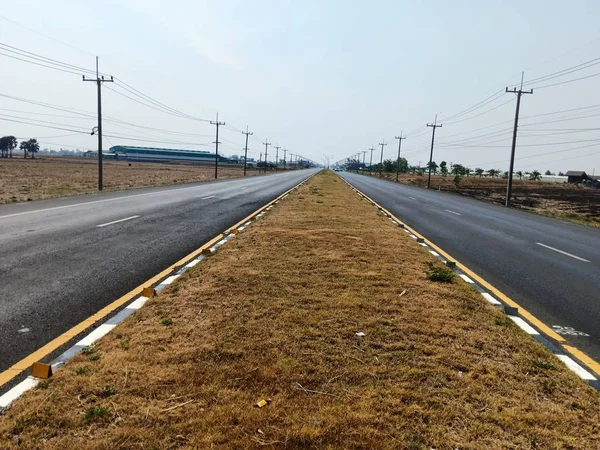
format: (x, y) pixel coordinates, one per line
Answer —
(207, 251)
(451, 264)
(511, 311)
(401, 225)
(420, 240)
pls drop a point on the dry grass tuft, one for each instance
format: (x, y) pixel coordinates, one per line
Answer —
(274, 316)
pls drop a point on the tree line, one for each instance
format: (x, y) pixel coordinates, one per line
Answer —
(10, 143)
(458, 170)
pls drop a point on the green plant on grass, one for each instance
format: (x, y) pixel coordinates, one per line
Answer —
(82, 370)
(107, 391)
(167, 322)
(94, 413)
(543, 365)
(439, 274)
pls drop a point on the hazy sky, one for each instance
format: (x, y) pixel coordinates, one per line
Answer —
(317, 77)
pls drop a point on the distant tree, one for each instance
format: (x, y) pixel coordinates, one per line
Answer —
(458, 169)
(479, 171)
(468, 171)
(560, 174)
(434, 166)
(535, 175)
(505, 175)
(389, 165)
(7, 145)
(403, 165)
(519, 174)
(31, 146)
(444, 168)
(493, 173)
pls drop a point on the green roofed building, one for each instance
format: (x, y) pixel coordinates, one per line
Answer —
(150, 154)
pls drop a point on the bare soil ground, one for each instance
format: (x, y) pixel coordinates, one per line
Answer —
(49, 177)
(273, 316)
(571, 202)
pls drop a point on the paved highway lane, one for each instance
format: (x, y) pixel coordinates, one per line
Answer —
(62, 260)
(549, 266)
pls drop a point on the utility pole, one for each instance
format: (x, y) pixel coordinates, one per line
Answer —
(259, 162)
(364, 156)
(218, 124)
(267, 143)
(434, 125)
(381, 163)
(398, 163)
(277, 147)
(284, 157)
(371, 161)
(514, 139)
(246, 148)
(99, 80)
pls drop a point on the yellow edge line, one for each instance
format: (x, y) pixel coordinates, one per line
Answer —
(51, 346)
(587, 360)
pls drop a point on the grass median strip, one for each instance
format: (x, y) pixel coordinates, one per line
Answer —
(321, 326)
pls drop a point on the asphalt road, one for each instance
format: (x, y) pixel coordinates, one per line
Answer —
(64, 259)
(548, 266)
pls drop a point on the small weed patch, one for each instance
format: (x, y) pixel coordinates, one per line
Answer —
(439, 274)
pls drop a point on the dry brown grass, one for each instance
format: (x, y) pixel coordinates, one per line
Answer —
(49, 177)
(576, 203)
(273, 315)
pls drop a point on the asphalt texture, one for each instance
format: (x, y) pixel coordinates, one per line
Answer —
(58, 266)
(509, 248)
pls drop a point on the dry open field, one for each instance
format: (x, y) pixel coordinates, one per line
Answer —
(274, 316)
(576, 203)
(48, 177)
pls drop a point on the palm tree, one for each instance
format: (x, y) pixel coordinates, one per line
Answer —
(535, 176)
(31, 146)
(520, 175)
(479, 172)
(493, 173)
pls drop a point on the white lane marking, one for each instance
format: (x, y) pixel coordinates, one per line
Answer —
(117, 221)
(17, 391)
(576, 368)
(137, 304)
(466, 278)
(560, 251)
(170, 279)
(490, 299)
(434, 253)
(124, 197)
(206, 198)
(102, 330)
(523, 325)
(412, 198)
(96, 201)
(453, 212)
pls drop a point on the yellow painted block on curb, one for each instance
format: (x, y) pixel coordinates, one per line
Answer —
(149, 292)
(41, 370)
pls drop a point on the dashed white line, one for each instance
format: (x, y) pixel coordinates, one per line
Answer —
(523, 325)
(206, 198)
(466, 278)
(117, 221)
(562, 252)
(453, 212)
(434, 253)
(576, 368)
(17, 391)
(490, 299)
(99, 332)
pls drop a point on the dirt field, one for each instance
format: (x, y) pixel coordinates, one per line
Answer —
(273, 316)
(576, 203)
(48, 177)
